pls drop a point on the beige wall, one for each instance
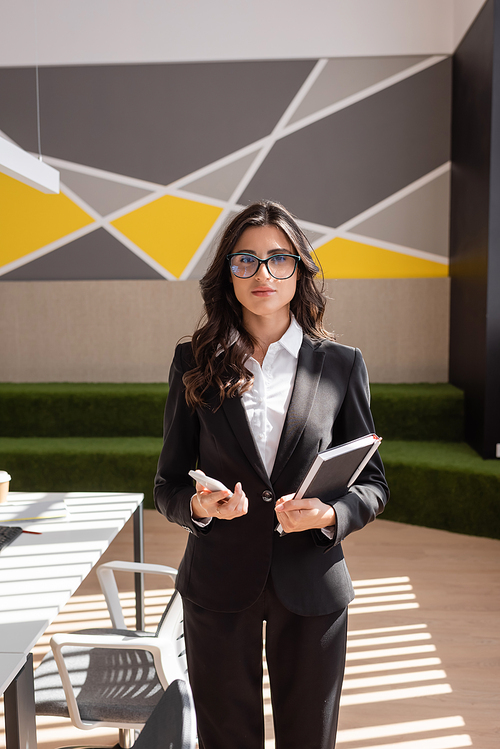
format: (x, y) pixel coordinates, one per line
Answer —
(400, 325)
(114, 31)
(125, 331)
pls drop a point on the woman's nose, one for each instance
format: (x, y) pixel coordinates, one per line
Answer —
(263, 272)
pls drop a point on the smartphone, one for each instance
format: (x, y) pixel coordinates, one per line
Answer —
(211, 484)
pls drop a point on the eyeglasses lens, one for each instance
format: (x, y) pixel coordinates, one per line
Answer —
(279, 266)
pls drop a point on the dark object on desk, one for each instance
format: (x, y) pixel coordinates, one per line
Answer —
(8, 534)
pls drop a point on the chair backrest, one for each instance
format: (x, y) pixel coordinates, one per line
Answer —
(172, 724)
(171, 628)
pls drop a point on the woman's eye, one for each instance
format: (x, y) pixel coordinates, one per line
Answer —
(280, 259)
(246, 259)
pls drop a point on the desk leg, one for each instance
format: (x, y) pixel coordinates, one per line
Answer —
(19, 699)
(139, 557)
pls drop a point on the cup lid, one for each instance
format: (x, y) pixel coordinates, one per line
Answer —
(4, 476)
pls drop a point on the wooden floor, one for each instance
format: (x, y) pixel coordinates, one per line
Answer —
(423, 661)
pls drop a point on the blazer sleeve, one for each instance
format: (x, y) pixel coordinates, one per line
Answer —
(181, 432)
(369, 495)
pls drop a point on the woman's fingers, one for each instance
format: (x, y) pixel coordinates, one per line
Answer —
(212, 496)
(202, 489)
(220, 504)
(234, 507)
(242, 506)
(204, 503)
(303, 514)
(289, 504)
(282, 501)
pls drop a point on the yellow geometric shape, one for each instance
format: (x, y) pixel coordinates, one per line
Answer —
(344, 258)
(169, 229)
(30, 219)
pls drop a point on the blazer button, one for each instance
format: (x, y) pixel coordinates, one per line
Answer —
(267, 496)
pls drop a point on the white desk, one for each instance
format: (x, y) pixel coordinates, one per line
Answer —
(10, 664)
(38, 575)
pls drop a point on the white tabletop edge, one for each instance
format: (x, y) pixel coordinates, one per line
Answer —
(27, 630)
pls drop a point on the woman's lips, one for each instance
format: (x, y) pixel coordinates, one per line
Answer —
(263, 291)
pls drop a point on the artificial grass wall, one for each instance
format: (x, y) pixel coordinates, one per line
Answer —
(71, 437)
(418, 412)
(114, 464)
(82, 410)
(442, 485)
(408, 412)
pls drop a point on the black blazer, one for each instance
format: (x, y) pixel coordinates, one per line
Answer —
(226, 565)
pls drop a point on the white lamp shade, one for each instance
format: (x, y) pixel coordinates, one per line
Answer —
(26, 168)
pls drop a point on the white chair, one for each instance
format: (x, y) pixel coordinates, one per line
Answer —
(113, 677)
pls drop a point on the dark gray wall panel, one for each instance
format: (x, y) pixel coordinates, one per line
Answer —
(420, 220)
(343, 164)
(221, 183)
(95, 256)
(472, 78)
(104, 195)
(344, 76)
(492, 411)
(154, 122)
(475, 229)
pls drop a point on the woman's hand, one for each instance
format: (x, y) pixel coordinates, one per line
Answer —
(304, 514)
(207, 504)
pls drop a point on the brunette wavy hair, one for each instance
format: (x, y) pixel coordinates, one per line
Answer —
(221, 344)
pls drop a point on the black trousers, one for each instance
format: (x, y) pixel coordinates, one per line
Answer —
(305, 657)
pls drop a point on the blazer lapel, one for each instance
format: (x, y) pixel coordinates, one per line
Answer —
(309, 368)
(237, 418)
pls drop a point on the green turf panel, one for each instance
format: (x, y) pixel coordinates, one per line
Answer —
(80, 464)
(434, 484)
(443, 485)
(445, 456)
(418, 412)
(82, 410)
(410, 412)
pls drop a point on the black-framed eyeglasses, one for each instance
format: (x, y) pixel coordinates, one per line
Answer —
(244, 265)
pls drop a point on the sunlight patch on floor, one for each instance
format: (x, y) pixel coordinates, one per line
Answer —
(385, 664)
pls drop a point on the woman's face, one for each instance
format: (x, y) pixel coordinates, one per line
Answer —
(263, 295)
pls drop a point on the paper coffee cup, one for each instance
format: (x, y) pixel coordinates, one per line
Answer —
(4, 485)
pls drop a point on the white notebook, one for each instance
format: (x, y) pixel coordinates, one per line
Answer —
(24, 510)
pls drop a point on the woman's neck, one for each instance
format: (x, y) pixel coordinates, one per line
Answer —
(265, 330)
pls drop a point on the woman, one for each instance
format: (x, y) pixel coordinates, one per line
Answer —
(256, 394)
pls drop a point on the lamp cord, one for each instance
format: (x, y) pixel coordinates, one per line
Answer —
(37, 85)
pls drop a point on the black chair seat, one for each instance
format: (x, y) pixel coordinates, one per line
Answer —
(112, 685)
